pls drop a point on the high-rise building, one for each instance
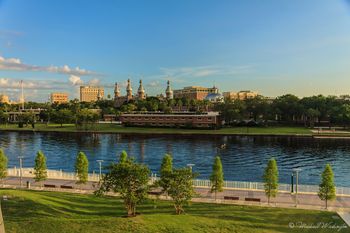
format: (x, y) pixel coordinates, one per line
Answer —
(91, 93)
(59, 98)
(195, 92)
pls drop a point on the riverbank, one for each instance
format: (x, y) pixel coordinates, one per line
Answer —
(40, 211)
(113, 128)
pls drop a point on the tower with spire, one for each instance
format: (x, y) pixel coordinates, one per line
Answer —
(100, 95)
(129, 91)
(141, 92)
(168, 91)
(116, 91)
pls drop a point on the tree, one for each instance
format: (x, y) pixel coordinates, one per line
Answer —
(40, 171)
(128, 179)
(271, 179)
(123, 157)
(181, 188)
(3, 165)
(63, 116)
(217, 177)
(81, 168)
(3, 117)
(327, 186)
(166, 170)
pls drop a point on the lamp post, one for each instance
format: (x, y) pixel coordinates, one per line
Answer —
(190, 165)
(296, 170)
(20, 170)
(100, 161)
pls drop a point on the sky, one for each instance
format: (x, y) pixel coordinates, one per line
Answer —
(275, 47)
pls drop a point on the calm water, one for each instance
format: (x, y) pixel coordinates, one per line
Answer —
(244, 158)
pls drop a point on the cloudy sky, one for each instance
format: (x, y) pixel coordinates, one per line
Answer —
(273, 47)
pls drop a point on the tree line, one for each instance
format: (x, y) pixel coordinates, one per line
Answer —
(286, 109)
(131, 180)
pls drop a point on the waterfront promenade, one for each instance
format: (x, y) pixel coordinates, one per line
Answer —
(283, 199)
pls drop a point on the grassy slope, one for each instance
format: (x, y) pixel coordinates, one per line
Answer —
(112, 128)
(30, 211)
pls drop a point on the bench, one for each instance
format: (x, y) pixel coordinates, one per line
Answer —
(49, 186)
(252, 199)
(154, 193)
(66, 187)
(231, 198)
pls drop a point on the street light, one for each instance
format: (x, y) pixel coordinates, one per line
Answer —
(296, 170)
(190, 165)
(20, 170)
(100, 161)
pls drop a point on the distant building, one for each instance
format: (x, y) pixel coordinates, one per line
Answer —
(59, 98)
(120, 100)
(215, 98)
(168, 92)
(141, 93)
(91, 93)
(242, 95)
(185, 120)
(4, 99)
(195, 92)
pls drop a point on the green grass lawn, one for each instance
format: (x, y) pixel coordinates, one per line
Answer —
(113, 128)
(34, 211)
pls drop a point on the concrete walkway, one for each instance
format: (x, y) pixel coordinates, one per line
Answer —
(2, 224)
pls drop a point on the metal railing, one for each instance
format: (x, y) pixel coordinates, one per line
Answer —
(51, 174)
(257, 186)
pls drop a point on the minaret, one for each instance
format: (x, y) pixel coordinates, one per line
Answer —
(128, 91)
(168, 92)
(141, 91)
(99, 95)
(116, 91)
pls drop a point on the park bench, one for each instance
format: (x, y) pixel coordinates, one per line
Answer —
(49, 186)
(252, 199)
(231, 198)
(66, 187)
(154, 193)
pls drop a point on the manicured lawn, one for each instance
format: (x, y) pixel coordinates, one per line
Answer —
(112, 128)
(30, 211)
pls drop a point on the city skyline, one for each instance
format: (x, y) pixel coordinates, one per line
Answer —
(270, 47)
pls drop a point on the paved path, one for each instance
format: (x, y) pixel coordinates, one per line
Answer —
(2, 225)
(283, 199)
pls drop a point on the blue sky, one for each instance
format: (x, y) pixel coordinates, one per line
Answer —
(273, 47)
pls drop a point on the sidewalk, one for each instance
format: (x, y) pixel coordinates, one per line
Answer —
(283, 199)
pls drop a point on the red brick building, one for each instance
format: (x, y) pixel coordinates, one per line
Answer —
(180, 120)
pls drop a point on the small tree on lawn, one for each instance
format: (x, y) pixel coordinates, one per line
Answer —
(3, 165)
(327, 186)
(81, 168)
(129, 180)
(181, 188)
(123, 156)
(40, 172)
(166, 170)
(217, 177)
(271, 179)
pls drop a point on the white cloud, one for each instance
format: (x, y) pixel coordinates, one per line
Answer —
(29, 84)
(16, 65)
(94, 82)
(75, 80)
(204, 71)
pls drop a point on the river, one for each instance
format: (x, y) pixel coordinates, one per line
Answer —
(243, 158)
